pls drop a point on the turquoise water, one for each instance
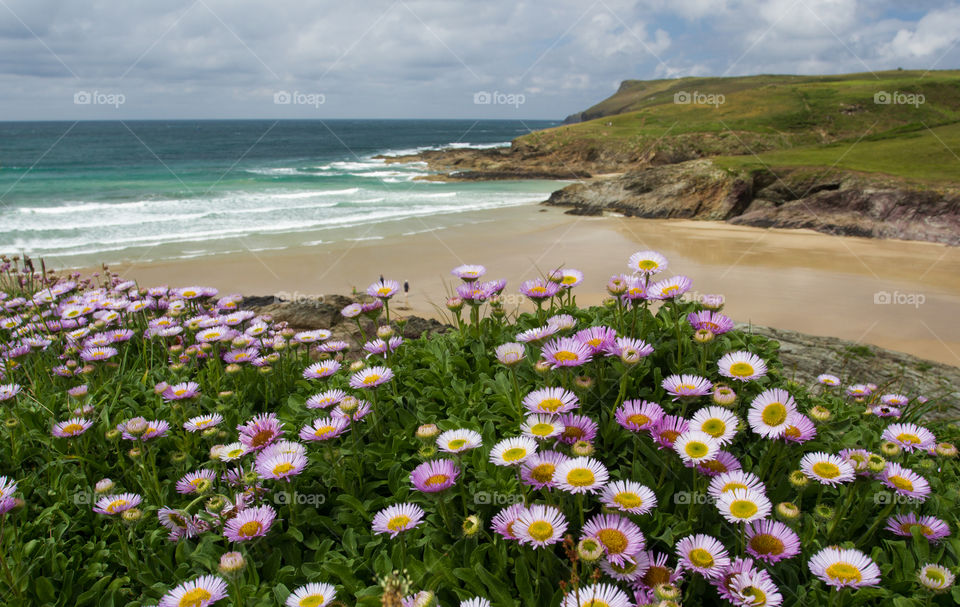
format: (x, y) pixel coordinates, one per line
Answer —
(81, 193)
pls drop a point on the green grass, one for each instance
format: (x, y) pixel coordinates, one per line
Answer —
(923, 154)
(803, 120)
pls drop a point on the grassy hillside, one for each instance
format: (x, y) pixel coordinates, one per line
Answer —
(917, 154)
(643, 122)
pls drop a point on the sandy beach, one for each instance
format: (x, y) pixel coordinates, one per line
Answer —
(895, 294)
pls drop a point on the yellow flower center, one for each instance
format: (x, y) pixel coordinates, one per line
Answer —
(437, 479)
(743, 508)
(908, 528)
(756, 596)
(541, 429)
(669, 435)
(550, 404)
(581, 477)
(564, 356)
(614, 540)
(627, 568)
(282, 468)
(714, 465)
(628, 500)
(696, 449)
(540, 530)
(900, 482)
(543, 473)
(195, 598)
(115, 505)
(733, 485)
(261, 438)
(383, 291)
(514, 454)
(314, 600)
(766, 543)
(843, 572)
(935, 576)
(398, 523)
(456, 444)
(774, 414)
(372, 378)
(180, 391)
(826, 470)
(655, 576)
(647, 264)
(323, 431)
(700, 558)
(715, 427)
(906, 437)
(741, 369)
(72, 429)
(638, 419)
(249, 529)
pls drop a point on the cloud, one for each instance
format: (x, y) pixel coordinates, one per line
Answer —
(935, 33)
(426, 58)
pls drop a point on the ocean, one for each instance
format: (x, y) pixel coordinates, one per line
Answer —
(79, 194)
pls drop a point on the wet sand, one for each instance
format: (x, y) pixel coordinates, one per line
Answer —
(895, 294)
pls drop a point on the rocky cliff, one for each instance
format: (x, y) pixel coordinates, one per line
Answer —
(838, 202)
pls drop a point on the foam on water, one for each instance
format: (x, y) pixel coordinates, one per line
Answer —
(195, 209)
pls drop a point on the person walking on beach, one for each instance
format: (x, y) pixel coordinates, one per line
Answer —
(406, 291)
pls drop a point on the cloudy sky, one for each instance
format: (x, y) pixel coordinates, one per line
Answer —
(74, 59)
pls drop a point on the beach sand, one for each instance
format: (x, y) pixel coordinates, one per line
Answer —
(792, 279)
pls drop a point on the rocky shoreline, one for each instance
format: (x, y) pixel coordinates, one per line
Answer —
(832, 201)
(835, 202)
(803, 356)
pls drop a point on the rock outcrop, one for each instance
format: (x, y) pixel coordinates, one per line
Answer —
(804, 357)
(844, 203)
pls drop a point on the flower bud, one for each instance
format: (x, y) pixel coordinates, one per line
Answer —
(427, 432)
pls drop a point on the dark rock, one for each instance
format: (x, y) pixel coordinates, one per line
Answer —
(804, 357)
(837, 203)
(319, 313)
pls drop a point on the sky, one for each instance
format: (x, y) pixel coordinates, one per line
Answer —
(498, 59)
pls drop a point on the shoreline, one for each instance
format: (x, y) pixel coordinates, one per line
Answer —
(791, 279)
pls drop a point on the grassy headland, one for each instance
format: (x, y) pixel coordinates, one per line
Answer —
(872, 154)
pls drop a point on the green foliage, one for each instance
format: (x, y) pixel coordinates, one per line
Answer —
(57, 551)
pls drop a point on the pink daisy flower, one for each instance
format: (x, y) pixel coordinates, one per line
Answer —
(260, 431)
(434, 476)
(249, 523)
